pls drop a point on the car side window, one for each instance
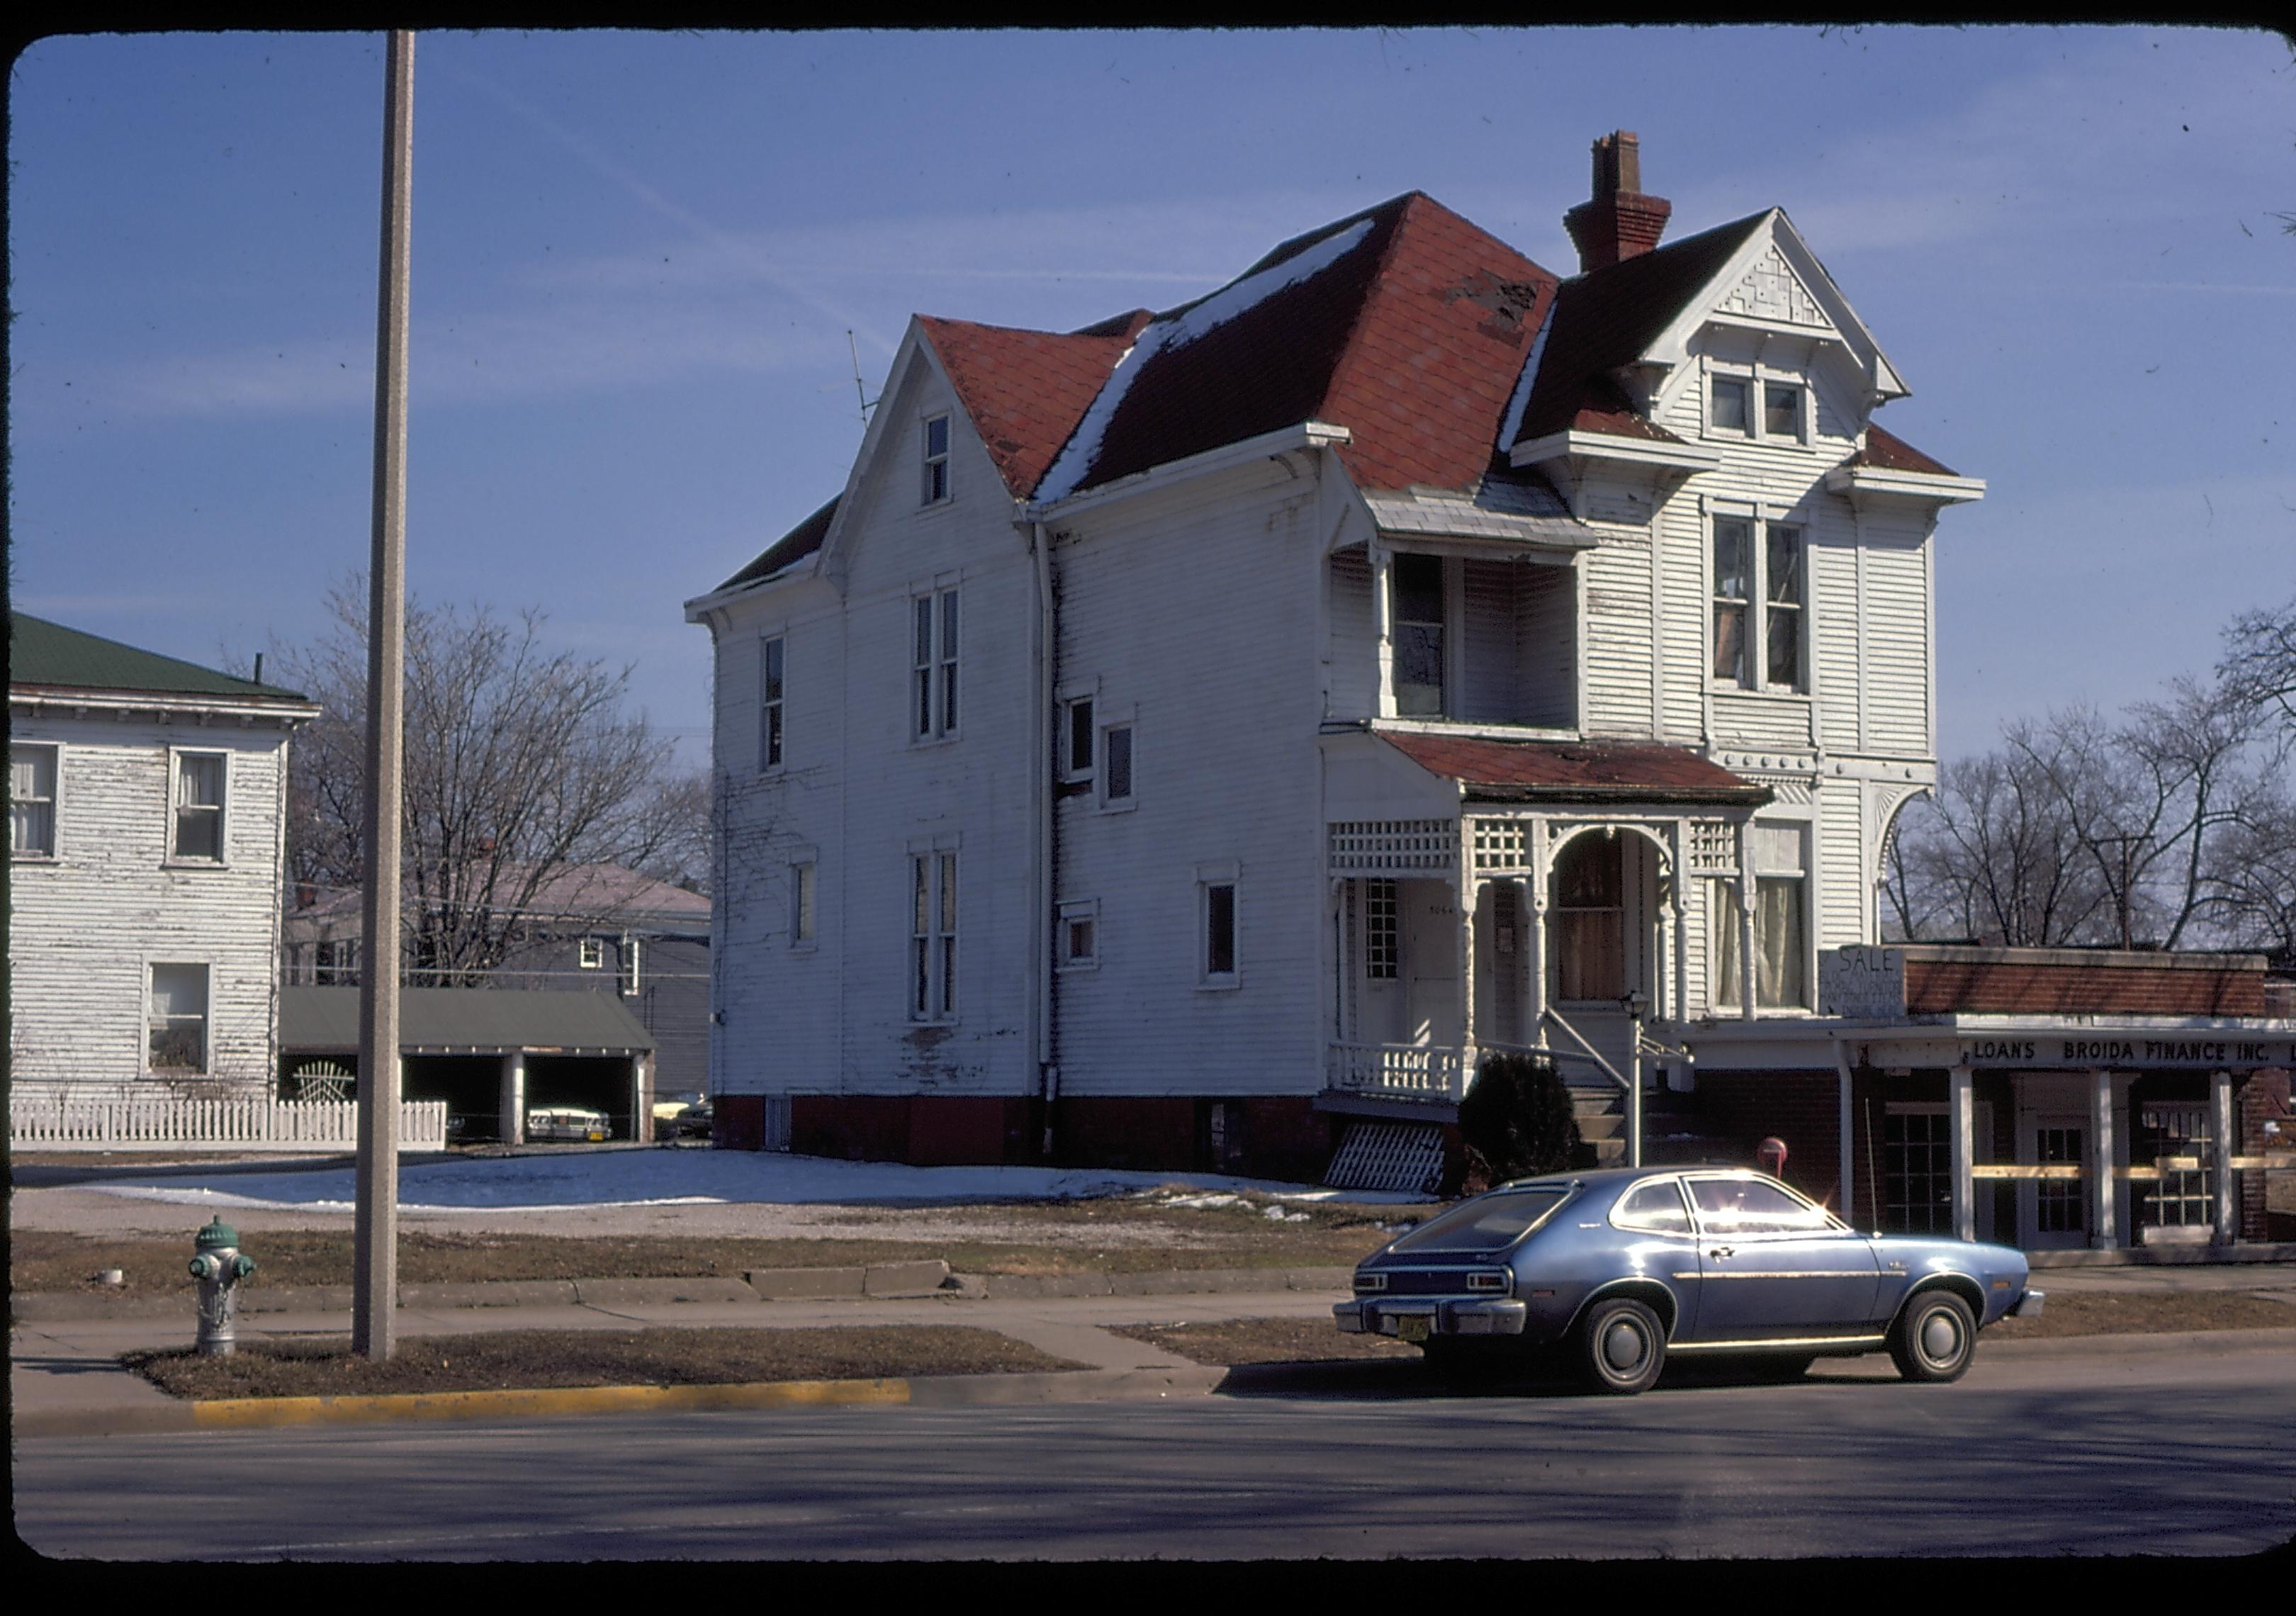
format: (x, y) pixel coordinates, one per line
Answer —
(1657, 1207)
(1747, 1206)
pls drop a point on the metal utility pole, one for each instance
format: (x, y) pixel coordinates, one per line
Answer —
(374, 1273)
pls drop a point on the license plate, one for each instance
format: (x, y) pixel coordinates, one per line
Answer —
(1414, 1327)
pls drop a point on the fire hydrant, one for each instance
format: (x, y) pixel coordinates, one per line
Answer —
(219, 1266)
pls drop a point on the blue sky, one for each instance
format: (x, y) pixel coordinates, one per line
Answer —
(638, 257)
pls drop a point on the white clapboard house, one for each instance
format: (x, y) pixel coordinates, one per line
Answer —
(1187, 737)
(147, 801)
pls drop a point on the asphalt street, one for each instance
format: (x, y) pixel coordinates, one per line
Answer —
(2102, 1446)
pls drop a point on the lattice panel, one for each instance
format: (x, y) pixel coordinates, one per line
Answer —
(1713, 848)
(1394, 844)
(1405, 1156)
(1502, 844)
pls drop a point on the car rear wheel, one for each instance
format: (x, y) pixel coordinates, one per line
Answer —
(1621, 1346)
(1934, 1337)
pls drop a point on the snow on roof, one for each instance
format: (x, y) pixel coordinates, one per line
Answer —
(1172, 331)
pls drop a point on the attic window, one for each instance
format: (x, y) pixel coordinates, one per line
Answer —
(1729, 410)
(1781, 411)
(936, 459)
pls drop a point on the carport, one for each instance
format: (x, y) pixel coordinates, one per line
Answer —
(491, 1055)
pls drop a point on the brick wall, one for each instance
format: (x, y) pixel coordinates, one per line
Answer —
(2263, 1098)
(1737, 1109)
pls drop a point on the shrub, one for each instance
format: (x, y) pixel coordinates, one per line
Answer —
(1516, 1120)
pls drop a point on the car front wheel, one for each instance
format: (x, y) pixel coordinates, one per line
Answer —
(1621, 1346)
(1934, 1337)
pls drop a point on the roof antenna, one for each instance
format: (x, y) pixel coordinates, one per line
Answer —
(867, 403)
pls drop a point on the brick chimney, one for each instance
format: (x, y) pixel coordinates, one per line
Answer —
(1619, 221)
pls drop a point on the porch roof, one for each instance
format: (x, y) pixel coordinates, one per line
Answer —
(1577, 771)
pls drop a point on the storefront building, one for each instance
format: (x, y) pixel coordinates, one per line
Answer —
(2057, 1100)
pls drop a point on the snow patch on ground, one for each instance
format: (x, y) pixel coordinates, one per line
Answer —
(580, 1180)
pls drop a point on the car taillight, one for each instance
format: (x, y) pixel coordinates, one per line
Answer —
(1371, 1282)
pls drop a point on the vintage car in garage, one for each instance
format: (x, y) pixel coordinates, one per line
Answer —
(1615, 1270)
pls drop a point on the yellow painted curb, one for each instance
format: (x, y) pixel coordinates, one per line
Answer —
(224, 1412)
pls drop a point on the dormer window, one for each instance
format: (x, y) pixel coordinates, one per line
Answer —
(1756, 404)
(1730, 408)
(936, 459)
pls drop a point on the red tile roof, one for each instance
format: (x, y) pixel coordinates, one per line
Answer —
(1026, 390)
(1887, 452)
(1412, 338)
(1507, 770)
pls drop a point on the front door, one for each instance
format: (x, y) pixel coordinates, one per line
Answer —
(1771, 1264)
(2053, 1212)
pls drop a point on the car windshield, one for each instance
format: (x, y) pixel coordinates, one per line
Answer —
(1488, 1223)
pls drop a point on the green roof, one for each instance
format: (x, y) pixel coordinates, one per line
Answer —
(480, 1020)
(41, 652)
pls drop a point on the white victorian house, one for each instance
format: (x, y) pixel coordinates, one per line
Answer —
(1189, 736)
(147, 803)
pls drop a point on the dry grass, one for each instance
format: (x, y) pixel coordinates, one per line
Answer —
(538, 1359)
(2143, 1313)
(1142, 1234)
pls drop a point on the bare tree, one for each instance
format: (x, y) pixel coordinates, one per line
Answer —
(1991, 857)
(2259, 662)
(520, 766)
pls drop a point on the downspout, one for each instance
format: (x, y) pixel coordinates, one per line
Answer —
(1045, 805)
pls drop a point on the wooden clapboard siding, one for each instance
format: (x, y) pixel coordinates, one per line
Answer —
(1225, 771)
(85, 929)
(1617, 642)
(1841, 865)
(1897, 628)
(1352, 672)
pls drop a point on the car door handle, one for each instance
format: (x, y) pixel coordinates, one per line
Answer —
(1722, 1251)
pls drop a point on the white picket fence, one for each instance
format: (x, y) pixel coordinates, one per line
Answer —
(51, 1117)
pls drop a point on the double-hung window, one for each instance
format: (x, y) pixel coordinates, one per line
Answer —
(1758, 603)
(1758, 405)
(1080, 748)
(32, 801)
(1116, 765)
(1418, 584)
(936, 444)
(1215, 926)
(770, 654)
(801, 918)
(932, 937)
(197, 833)
(1780, 922)
(932, 704)
(179, 1019)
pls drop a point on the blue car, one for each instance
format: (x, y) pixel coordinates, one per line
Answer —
(1617, 1270)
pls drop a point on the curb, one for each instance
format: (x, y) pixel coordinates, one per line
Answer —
(928, 1391)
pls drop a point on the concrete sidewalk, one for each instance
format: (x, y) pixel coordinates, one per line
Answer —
(64, 1376)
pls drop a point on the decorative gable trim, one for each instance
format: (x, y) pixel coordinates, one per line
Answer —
(1772, 290)
(1750, 277)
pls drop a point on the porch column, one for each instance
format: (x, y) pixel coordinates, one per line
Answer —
(1382, 616)
(641, 1098)
(510, 1113)
(1960, 1124)
(1845, 1146)
(2221, 1151)
(2100, 1162)
(1746, 948)
(1534, 925)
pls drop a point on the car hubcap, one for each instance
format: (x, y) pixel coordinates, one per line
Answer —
(1940, 1338)
(1622, 1347)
